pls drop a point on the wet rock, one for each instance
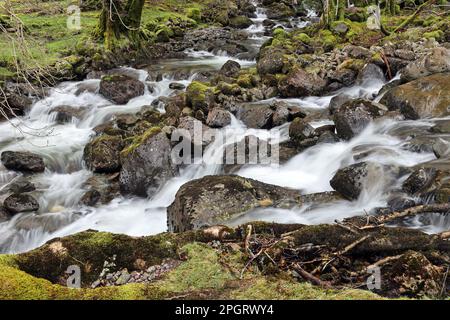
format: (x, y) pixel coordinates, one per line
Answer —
(337, 101)
(422, 98)
(190, 128)
(419, 180)
(102, 154)
(4, 215)
(17, 105)
(350, 181)
(271, 61)
(147, 165)
(438, 60)
(23, 202)
(90, 198)
(285, 113)
(258, 116)
(441, 148)
(176, 86)
(240, 22)
(400, 202)
(218, 118)
(120, 88)
(231, 68)
(277, 11)
(371, 72)
(216, 199)
(65, 114)
(357, 52)
(344, 76)
(353, 116)
(21, 185)
(22, 161)
(299, 83)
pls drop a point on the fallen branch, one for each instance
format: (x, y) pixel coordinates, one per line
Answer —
(413, 16)
(309, 277)
(426, 208)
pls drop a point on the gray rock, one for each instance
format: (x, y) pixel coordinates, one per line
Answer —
(218, 118)
(230, 68)
(22, 161)
(299, 83)
(422, 98)
(102, 154)
(419, 180)
(257, 116)
(217, 199)
(353, 116)
(147, 166)
(438, 60)
(23, 202)
(351, 180)
(120, 88)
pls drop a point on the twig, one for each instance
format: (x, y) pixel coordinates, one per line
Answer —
(309, 277)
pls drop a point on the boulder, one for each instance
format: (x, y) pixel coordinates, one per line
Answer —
(17, 105)
(285, 113)
(21, 185)
(22, 161)
(102, 154)
(277, 11)
(337, 101)
(419, 180)
(422, 98)
(438, 60)
(217, 199)
(90, 198)
(240, 22)
(120, 88)
(177, 86)
(299, 83)
(350, 181)
(230, 68)
(20, 202)
(257, 116)
(146, 165)
(353, 116)
(271, 61)
(369, 73)
(218, 118)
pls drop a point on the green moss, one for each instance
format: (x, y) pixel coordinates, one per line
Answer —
(138, 140)
(327, 39)
(302, 37)
(437, 35)
(246, 81)
(196, 94)
(280, 289)
(202, 270)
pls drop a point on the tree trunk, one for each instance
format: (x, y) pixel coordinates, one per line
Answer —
(120, 17)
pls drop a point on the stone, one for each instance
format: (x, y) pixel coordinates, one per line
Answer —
(218, 118)
(22, 161)
(147, 165)
(422, 98)
(102, 154)
(353, 116)
(23, 202)
(437, 61)
(120, 88)
(217, 199)
(299, 83)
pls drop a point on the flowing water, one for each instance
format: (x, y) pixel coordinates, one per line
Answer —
(61, 186)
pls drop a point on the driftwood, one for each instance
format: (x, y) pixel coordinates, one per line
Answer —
(430, 208)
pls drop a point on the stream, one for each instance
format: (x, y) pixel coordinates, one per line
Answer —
(61, 186)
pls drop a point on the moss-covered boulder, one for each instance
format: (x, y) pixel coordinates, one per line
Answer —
(217, 199)
(102, 154)
(240, 22)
